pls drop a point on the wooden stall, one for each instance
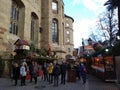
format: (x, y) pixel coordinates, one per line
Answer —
(103, 67)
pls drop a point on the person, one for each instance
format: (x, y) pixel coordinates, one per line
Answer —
(83, 72)
(35, 72)
(23, 73)
(31, 70)
(63, 72)
(56, 73)
(45, 72)
(16, 72)
(50, 73)
(77, 70)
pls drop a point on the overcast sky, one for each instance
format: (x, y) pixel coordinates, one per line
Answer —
(84, 13)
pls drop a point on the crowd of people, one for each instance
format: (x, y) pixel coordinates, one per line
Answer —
(52, 72)
(21, 71)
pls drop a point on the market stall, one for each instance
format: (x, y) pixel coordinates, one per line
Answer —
(103, 67)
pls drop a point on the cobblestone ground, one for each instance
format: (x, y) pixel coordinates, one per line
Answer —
(92, 84)
(97, 84)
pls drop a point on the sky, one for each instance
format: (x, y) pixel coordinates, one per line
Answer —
(85, 14)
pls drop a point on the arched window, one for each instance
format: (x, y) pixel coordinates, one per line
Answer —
(55, 31)
(34, 23)
(14, 18)
(32, 28)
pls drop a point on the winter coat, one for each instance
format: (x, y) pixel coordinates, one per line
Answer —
(56, 70)
(50, 69)
(23, 71)
(35, 70)
(83, 71)
(16, 72)
(31, 69)
(63, 68)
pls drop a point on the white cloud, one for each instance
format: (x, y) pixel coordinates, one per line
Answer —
(81, 30)
(93, 5)
(82, 27)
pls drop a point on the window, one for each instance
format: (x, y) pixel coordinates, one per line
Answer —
(68, 40)
(13, 28)
(66, 18)
(33, 25)
(54, 6)
(14, 18)
(32, 28)
(63, 33)
(67, 25)
(68, 36)
(68, 32)
(55, 31)
(69, 50)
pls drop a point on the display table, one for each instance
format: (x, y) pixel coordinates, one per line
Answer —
(71, 75)
(101, 69)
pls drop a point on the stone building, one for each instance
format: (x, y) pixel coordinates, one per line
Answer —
(40, 22)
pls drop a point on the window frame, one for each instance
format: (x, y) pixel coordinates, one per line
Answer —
(55, 6)
(55, 31)
(14, 17)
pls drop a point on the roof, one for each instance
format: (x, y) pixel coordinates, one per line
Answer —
(21, 42)
(69, 17)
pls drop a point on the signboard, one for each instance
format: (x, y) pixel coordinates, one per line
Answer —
(23, 47)
(74, 53)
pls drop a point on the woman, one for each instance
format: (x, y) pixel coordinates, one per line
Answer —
(23, 73)
(50, 73)
(35, 71)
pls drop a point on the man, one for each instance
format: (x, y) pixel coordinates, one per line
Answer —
(45, 72)
(56, 73)
(31, 70)
(83, 72)
(63, 72)
(16, 72)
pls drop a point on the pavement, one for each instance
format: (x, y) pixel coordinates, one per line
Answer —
(92, 83)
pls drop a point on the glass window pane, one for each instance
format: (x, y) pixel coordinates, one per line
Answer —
(68, 32)
(55, 31)
(54, 5)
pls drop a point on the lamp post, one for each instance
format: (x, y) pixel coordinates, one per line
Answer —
(83, 45)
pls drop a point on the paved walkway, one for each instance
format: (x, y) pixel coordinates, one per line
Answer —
(92, 84)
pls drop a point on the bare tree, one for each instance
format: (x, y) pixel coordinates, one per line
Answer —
(108, 24)
(93, 36)
(111, 6)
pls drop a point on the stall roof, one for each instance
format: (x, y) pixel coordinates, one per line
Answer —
(20, 42)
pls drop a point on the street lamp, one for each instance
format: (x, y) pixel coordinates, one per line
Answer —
(118, 37)
(83, 44)
(106, 50)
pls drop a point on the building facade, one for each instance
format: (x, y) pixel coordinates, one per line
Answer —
(86, 49)
(40, 22)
